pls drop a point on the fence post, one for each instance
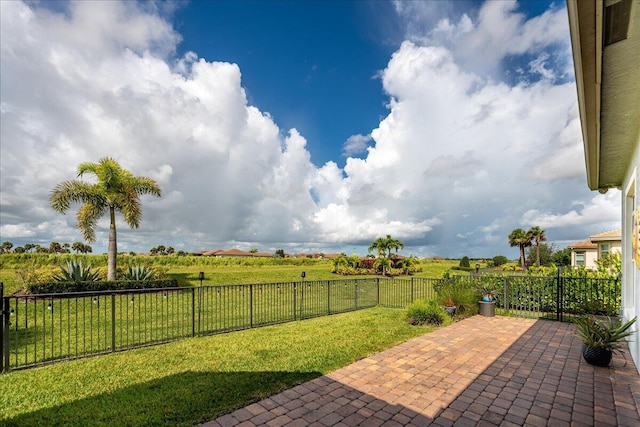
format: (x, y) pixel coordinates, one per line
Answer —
(251, 306)
(356, 295)
(559, 294)
(301, 300)
(193, 312)
(4, 331)
(507, 296)
(113, 321)
(328, 297)
(295, 296)
(412, 295)
(378, 290)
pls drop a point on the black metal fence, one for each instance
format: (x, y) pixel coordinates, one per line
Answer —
(551, 297)
(38, 329)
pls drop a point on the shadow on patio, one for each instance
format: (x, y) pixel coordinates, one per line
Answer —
(480, 371)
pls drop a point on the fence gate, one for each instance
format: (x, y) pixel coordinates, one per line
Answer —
(559, 297)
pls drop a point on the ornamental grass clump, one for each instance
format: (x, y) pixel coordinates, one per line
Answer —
(426, 312)
(602, 338)
(607, 333)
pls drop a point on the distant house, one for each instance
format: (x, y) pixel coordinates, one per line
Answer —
(587, 252)
(235, 253)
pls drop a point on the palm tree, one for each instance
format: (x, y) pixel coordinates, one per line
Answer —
(379, 245)
(382, 264)
(393, 244)
(537, 235)
(116, 190)
(519, 237)
(384, 245)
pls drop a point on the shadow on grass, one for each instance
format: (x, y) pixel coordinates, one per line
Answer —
(185, 279)
(188, 398)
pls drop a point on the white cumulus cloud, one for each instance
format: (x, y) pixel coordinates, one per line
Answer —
(460, 153)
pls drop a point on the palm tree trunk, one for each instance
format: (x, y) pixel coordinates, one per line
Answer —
(538, 254)
(112, 253)
(522, 258)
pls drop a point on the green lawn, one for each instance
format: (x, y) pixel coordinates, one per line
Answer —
(196, 380)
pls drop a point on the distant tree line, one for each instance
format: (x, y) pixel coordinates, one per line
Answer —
(54, 248)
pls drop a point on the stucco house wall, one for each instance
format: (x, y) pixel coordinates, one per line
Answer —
(605, 41)
(630, 258)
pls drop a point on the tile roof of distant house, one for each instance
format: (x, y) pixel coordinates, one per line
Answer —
(615, 234)
(585, 244)
(210, 253)
(236, 252)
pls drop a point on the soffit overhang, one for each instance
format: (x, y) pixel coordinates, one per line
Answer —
(608, 86)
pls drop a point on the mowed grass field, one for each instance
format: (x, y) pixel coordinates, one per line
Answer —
(218, 271)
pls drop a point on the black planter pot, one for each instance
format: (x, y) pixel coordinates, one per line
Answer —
(597, 356)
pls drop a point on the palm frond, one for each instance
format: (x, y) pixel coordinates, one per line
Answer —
(88, 216)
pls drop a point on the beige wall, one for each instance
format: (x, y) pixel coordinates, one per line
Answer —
(630, 268)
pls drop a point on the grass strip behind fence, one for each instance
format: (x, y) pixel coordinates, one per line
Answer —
(195, 380)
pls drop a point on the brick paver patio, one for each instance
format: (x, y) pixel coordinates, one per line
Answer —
(481, 371)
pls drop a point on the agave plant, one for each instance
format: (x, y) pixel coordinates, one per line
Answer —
(139, 272)
(603, 333)
(601, 338)
(76, 271)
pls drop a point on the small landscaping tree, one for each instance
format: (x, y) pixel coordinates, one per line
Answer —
(116, 190)
(499, 260)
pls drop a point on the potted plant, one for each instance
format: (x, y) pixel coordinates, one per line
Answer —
(487, 303)
(601, 338)
(450, 306)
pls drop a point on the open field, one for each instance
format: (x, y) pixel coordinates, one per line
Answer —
(218, 271)
(195, 380)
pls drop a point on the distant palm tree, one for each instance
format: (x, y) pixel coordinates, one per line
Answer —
(116, 190)
(78, 247)
(384, 246)
(379, 245)
(519, 237)
(382, 264)
(537, 235)
(393, 244)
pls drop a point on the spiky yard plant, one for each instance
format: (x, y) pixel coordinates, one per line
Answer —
(139, 272)
(607, 333)
(76, 271)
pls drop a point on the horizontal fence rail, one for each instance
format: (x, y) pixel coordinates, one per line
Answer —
(38, 329)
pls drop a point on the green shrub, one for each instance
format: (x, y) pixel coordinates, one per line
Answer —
(464, 294)
(499, 260)
(62, 287)
(464, 262)
(426, 312)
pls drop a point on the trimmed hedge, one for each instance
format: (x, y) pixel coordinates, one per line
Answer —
(62, 287)
(461, 268)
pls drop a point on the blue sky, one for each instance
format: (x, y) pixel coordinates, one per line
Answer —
(312, 126)
(312, 65)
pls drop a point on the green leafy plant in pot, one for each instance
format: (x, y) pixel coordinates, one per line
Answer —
(601, 338)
